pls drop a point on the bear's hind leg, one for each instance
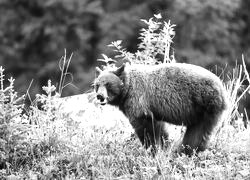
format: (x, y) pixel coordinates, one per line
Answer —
(197, 136)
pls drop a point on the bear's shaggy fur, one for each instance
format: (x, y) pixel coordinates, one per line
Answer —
(180, 94)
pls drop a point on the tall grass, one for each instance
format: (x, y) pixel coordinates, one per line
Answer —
(64, 67)
(232, 121)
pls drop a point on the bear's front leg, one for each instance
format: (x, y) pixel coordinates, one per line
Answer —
(150, 132)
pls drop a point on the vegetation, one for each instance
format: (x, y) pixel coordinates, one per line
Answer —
(49, 144)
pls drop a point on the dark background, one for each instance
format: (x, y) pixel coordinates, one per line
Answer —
(35, 33)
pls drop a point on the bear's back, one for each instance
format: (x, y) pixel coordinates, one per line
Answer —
(172, 73)
(175, 88)
(182, 69)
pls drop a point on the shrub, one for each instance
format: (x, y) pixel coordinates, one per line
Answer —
(14, 148)
(155, 45)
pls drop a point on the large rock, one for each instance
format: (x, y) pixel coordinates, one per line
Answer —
(94, 117)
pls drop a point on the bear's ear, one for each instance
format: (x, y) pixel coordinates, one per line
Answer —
(119, 70)
(97, 71)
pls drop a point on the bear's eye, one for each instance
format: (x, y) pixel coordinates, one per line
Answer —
(96, 87)
(108, 85)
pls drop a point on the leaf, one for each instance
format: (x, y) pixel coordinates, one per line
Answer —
(158, 16)
(106, 59)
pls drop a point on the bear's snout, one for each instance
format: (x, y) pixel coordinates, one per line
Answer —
(101, 99)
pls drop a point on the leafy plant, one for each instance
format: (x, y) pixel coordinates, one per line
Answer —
(13, 126)
(155, 45)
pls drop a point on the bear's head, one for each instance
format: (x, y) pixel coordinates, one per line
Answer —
(108, 86)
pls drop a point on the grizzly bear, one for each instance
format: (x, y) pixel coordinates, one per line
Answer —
(177, 93)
